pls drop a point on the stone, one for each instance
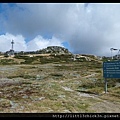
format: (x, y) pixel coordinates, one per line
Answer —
(61, 96)
(5, 103)
(25, 96)
(36, 98)
(38, 77)
(66, 111)
(13, 105)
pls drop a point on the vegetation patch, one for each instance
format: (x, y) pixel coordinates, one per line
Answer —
(7, 61)
(56, 83)
(22, 76)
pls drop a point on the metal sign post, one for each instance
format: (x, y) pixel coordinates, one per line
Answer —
(105, 80)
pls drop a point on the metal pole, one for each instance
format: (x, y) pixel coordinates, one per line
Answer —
(118, 54)
(105, 85)
(12, 44)
(111, 55)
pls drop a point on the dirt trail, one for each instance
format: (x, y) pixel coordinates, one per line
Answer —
(104, 106)
(91, 75)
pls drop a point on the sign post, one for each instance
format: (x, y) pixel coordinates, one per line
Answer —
(111, 70)
(105, 80)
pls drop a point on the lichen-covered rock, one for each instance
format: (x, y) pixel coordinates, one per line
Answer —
(36, 98)
(25, 96)
(54, 49)
(5, 103)
(13, 104)
(38, 77)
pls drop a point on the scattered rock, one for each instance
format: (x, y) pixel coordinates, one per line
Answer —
(61, 96)
(50, 111)
(22, 107)
(5, 103)
(66, 111)
(117, 85)
(25, 96)
(38, 77)
(41, 98)
(8, 82)
(87, 95)
(76, 75)
(13, 105)
(36, 98)
(67, 89)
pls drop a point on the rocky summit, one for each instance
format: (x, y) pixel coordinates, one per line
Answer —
(55, 50)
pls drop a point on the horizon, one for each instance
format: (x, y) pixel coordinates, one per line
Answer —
(56, 46)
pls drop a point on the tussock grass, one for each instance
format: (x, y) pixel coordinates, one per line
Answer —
(79, 78)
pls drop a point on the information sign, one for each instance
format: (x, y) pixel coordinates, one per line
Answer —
(111, 69)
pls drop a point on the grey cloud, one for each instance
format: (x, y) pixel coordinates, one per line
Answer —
(89, 28)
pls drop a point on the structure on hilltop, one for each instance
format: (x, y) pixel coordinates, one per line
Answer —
(49, 50)
(11, 51)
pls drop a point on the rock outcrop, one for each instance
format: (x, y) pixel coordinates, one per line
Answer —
(55, 50)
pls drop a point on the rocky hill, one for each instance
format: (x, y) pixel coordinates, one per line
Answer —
(55, 50)
(50, 54)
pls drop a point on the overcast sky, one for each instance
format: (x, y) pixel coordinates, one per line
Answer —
(83, 28)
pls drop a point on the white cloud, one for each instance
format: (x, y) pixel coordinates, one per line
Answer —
(5, 42)
(39, 43)
(88, 28)
(20, 44)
